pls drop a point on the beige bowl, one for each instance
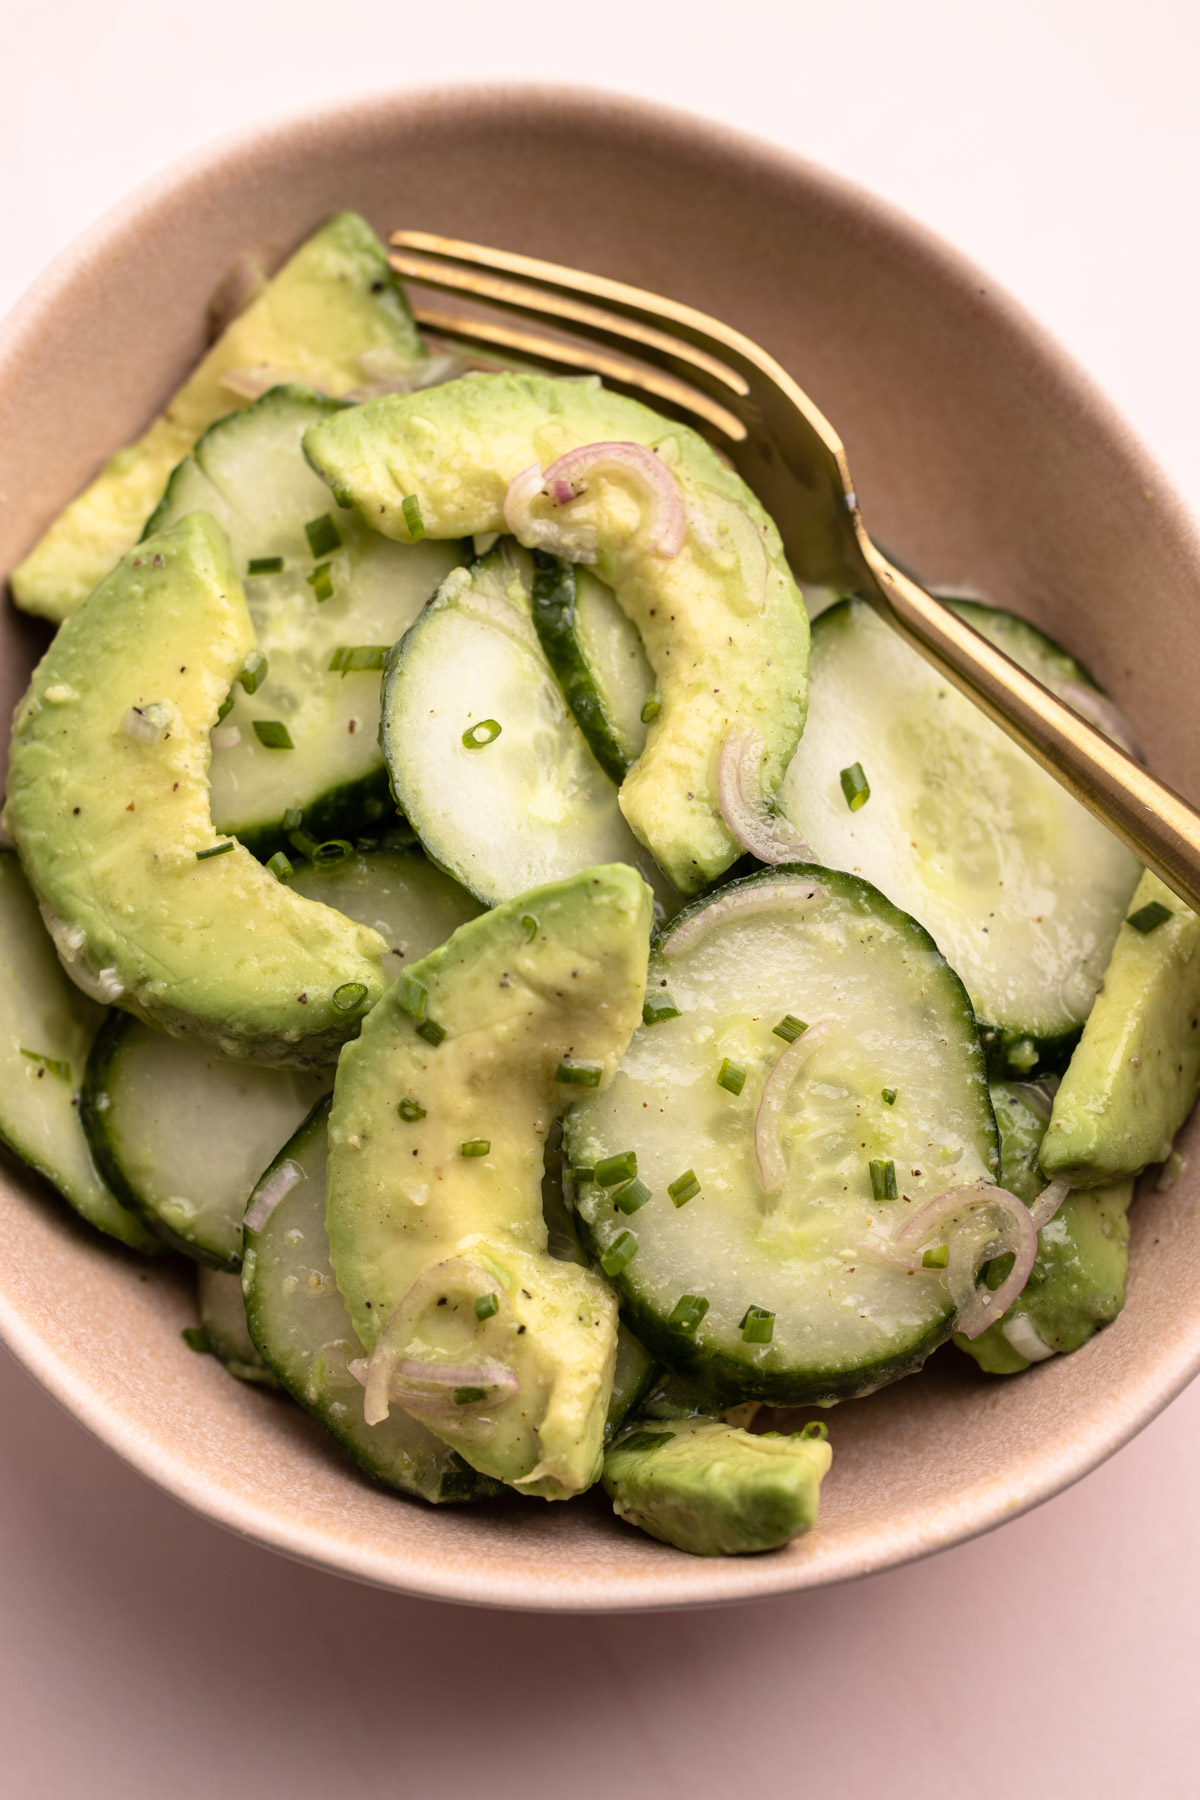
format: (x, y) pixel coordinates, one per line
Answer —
(980, 454)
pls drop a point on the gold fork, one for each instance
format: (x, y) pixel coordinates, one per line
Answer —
(695, 368)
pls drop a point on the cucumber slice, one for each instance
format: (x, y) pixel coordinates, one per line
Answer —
(598, 658)
(223, 1323)
(524, 803)
(815, 944)
(48, 1030)
(411, 904)
(181, 1134)
(1022, 889)
(299, 1322)
(249, 472)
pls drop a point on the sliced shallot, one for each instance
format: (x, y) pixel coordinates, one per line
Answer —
(761, 897)
(1048, 1203)
(565, 480)
(768, 1150)
(272, 1192)
(424, 1384)
(984, 1222)
(739, 794)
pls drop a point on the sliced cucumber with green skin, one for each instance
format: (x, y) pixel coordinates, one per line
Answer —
(598, 658)
(411, 904)
(181, 1134)
(817, 945)
(487, 763)
(249, 472)
(1022, 889)
(223, 1324)
(300, 1325)
(47, 1032)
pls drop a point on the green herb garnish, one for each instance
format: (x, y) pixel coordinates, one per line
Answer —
(253, 671)
(687, 1312)
(350, 658)
(620, 1252)
(331, 852)
(264, 565)
(414, 524)
(216, 850)
(477, 737)
(610, 1171)
(883, 1179)
(631, 1195)
(731, 1076)
(349, 997)
(758, 1325)
(323, 536)
(656, 1008)
(409, 1111)
(815, 1429)
(280, 866)
(413, 996)
(1149, 917)
(475, 1147)
(529, 926)
(855, 786)
(272, 734)
(586, 1075)
(487, 1306)
(50, 1064)
(467, 1396)
(888, 1095)
(196, 1338)
(789, 1028)
(321, 582)
(936, 1259)
(684, 1188)
(431, 1031)
(651, 707)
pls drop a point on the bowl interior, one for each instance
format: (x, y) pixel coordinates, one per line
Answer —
(980, 455)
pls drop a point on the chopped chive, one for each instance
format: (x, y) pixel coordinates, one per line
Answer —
(579, 1074)
(225, 708)
(731, 1076)
(253, 671)
(816, 1429)
(215, 850)
(487, 1306)
(413, 996)
(883, 1179)
(631, 1195)
(621, 1251)
(280, 866)
(467, 1396)
(579, 1175)
(264, 565)
(936, 1259)
(431, 1031)
(888, 1095)
(475, 1147)
(758, 1325)
(684, 1188)
(855, 786)
(645, 1440)
(651, 707)
(414, 524)
(293, 819)
(1149, 917)
(477, 737)
(307, 846)
(349, 658)
(331, 852)
(687, 1312)
(409, 1111)
(529, 926)
(789, 1028)
(656, 1008)
(273, 735)
(349, 997)
(196, 1338)
(321, 582)
(61, 1069)
(323, 536)
(610, 1171)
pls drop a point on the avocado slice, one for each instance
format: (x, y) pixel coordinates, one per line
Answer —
(1077, 1283)
(723, 622)
(108, 802)
(1134, 1076)
(334, 300)
(434, 1194)
(713, 1489)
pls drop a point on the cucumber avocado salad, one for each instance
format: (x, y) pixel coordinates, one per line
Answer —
(563, 1002)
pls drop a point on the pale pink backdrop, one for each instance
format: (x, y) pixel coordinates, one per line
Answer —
(145, 1653)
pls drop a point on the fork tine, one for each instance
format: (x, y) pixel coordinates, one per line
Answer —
(584, 320)
(618, 373)
(715, 341)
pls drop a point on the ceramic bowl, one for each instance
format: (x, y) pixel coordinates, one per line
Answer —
(980, 453)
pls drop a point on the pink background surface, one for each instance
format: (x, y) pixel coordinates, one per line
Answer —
(144, 1652)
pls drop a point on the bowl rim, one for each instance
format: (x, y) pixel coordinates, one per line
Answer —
(987, 1503)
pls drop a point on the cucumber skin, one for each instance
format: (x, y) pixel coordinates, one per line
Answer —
(134, 1239)
(363, 808)
(729, 1380)
(554, 622)
(105, 1046)
(459, 1484)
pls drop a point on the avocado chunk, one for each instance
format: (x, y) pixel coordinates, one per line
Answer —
(715, 1490)
(333, 302)
(1077, 1283)
(1134, 1076)
(440, 1115)
(723, 623)
(108, 802)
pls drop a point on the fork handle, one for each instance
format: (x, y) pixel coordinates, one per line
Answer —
(1157, 824)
